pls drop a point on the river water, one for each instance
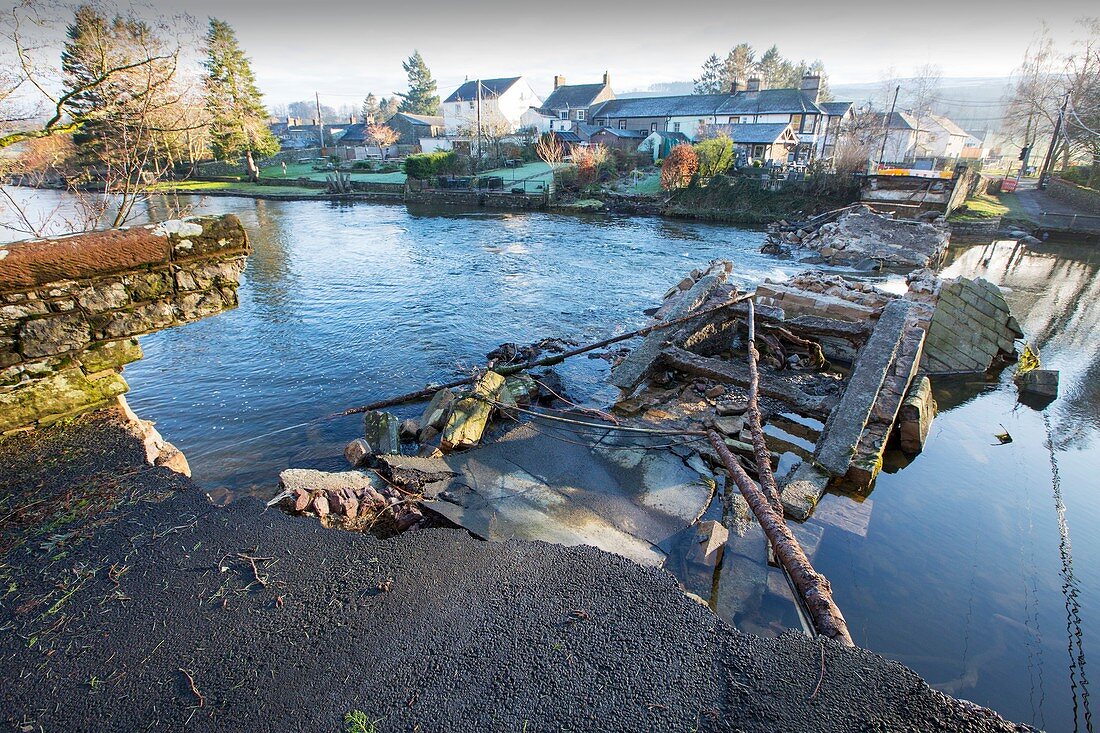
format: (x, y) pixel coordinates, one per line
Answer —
(976, 565)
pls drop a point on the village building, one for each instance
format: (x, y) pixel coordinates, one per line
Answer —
(942, 138)
(571, 103)
(413, 128)
(692, 115)
(497, 103)
(901, 139)
(766, 143)
(293, 134)
(610, 137)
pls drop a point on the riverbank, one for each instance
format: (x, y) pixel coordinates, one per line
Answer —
(131, 600)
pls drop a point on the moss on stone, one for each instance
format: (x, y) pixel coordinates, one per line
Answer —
(111, 355)
(67, 392)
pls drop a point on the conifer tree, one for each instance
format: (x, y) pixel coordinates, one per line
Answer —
(238, 124)
(710, 80)
(421, 99)
(371, 110)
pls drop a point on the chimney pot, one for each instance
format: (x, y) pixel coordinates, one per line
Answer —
(737, 85)
(606, 79)
(558, 81)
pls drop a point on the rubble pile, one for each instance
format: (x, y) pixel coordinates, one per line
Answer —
(358, 500)
(862, 239)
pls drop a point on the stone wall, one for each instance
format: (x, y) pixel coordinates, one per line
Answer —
(1085, 199)
(70, 308)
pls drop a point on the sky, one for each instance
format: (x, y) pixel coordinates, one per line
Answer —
(346, 48)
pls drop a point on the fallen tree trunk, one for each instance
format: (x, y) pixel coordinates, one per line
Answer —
(545, 361)
(718, 370)
(756, 430)
(812, 587)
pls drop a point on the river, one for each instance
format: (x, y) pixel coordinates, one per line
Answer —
(976, 565)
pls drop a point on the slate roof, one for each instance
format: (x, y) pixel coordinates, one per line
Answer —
(948, 124)
(835, 109)
(766, 101)
(427, 120)
(566, 136)
(637, 134)
(489, 88)
(354, 133)
(679, 106)
(764, 133)
(572, 96)
(902, 121)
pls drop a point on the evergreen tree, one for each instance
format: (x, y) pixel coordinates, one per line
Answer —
(390, 106)
(421, 99)
(710, 80)
(738, 65)
(771, 68)
(238, 123)
(371, 110)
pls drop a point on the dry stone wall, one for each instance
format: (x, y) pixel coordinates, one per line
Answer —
(71, 308)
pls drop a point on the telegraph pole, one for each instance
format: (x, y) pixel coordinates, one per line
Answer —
(479, 120)
(886, 125)
(320, 124)
(1045, 172)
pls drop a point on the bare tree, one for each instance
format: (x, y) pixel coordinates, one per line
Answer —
(550, 150)
(382, 136)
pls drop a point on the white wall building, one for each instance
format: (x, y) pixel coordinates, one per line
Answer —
(502, 104)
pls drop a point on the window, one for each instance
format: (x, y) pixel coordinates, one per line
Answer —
(580, 115)
(564, 114)
(675, 126)
(471, 105)
(733, 120)
(622, 124)
(653, 127)
(796, 120)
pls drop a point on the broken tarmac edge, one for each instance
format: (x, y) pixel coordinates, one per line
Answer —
(396, 617)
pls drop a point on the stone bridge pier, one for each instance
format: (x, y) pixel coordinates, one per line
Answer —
(72, 307)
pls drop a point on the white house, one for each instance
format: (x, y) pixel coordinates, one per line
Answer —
(540, 120)
(941, 138)
(903, 133)
(501, 103)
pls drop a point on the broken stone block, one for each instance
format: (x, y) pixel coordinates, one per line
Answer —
(435, 414)
(915, 416)
(733, 408)
(470, 415)
(302, 499)
(1042, 382)
(408, 430)
(523, 388)
(712, 535)
(357, 452)
(382, 433)
(320, 506)
(803, 489)
(729, 425)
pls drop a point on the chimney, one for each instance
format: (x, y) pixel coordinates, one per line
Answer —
(753, 85)
(559, 81)
(289, 121)
(351, 120)
(737, 85)
(606, 79)
(811, 85)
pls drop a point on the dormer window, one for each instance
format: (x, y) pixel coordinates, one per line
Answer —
(564, 114)
(622, 124)
(580, 115)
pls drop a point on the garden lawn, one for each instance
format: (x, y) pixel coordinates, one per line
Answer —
(244, 188)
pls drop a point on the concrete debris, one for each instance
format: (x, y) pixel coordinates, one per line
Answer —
(971, 330)
(915, 416)
(435, 414)
(470, 415)
(630, 372)
(357, 500)
(712, 535)
(1038, 383)
(861, 238)
(803, 489)
(357, 452)
(382, 433)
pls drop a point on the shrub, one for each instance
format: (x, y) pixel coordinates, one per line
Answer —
(715, 156)
(425, 165)
(681, 164)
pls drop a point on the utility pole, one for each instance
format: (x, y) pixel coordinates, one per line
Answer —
(320, 123)
(1045, 172)
(479, 121)
(886, 123)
